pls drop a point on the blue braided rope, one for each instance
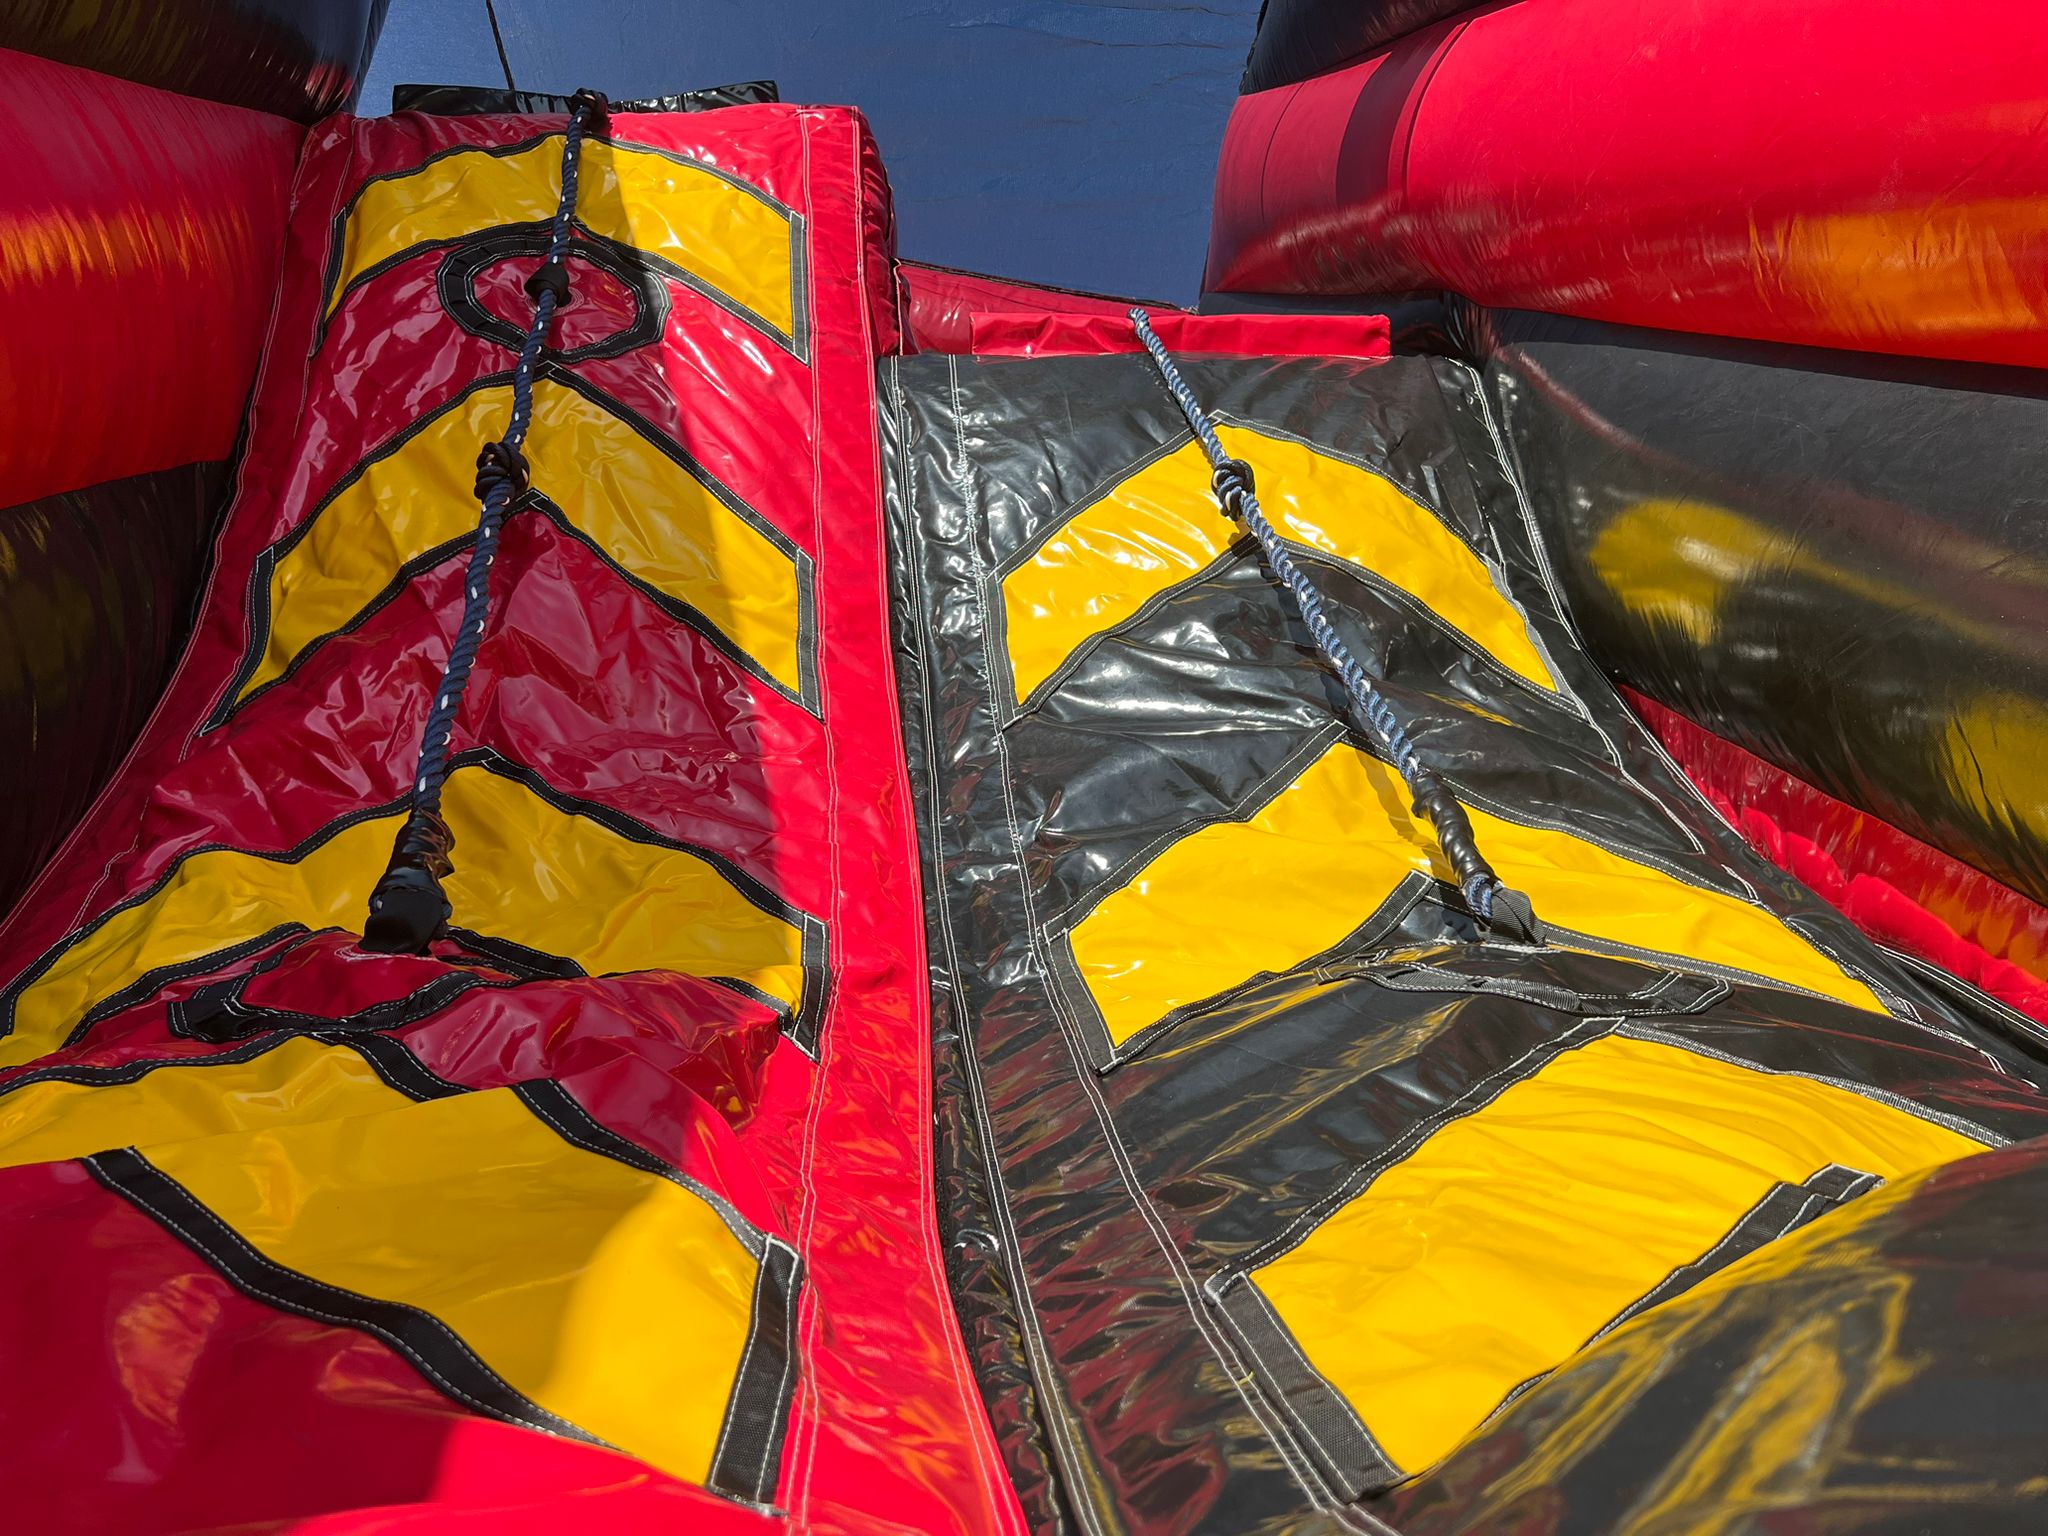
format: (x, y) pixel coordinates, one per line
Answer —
(1370, 704)
(476, 588)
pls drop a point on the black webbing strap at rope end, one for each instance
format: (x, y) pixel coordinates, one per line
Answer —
(1500, 909)
(409, 907)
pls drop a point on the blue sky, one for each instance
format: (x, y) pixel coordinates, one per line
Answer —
(1068, 141)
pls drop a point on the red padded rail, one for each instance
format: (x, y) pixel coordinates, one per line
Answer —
(1894, 887)
(1813, 171)
(140, 236)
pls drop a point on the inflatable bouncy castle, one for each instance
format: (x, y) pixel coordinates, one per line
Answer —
(672, 874)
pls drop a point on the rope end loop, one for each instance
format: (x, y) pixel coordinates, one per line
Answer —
(1503, 911)
(409, 907)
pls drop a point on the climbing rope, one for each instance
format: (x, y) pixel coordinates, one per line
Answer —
(409, 907)
(1500, 908)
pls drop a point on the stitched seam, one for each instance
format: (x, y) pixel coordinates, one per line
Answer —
(363, 1325)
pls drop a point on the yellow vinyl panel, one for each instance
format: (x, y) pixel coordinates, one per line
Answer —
(1162, 525)
(524, 870)
(1510, 1237)
(734, 240)
(212, 900)
(658, 521)
(616, 1299)
(298, 1081)
(1333, 845)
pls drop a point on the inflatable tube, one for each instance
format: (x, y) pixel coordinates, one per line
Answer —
(1836, 561)
(1798, 171)
(142, 233)
(1300, 38)
(300, 59)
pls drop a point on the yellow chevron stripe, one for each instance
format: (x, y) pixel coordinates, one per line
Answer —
(1512, 1236)
(1161, 525)
(614, 1298)
(636, 503)
(1183, 929)
(525, 871)
(735, 240)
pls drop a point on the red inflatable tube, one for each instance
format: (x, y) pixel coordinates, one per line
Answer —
(1025, 334)
(1894, 887)
(140, 235)
(1808, 171)
(943, 304)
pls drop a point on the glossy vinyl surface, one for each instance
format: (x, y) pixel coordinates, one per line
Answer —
(1908, 1324)
(634, 1157)
(1799, 170)
(98, 588)
(941, 304)
(1242, 1194)
(300, 59)
(142, 257)
(1836, 563)
(482, 100)
(1894, 887)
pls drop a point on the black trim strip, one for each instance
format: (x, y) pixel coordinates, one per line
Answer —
(151, 982)
(1063, 974)
(521, 961)
(217, 1014)
(119, 1074)
(1345, 1452)
(564, 1114)
(390, 1059)
(748, 1462)
(1786, 1208)
(1668, 992)
(394, 1061)
(434, 1348)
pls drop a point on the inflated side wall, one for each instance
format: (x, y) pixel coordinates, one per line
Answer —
(1285, 1199)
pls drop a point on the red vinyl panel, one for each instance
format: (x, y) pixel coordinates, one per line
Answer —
(589, 684)
(1026, 334)
(140, 234)
(944, 304)
(1816, 171)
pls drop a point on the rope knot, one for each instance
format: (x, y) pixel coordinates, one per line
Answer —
(500, 465)
(594, 108)
(1233, 482)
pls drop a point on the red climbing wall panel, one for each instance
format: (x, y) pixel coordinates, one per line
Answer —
(638, 1158)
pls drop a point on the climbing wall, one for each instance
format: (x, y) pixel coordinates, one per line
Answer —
(1289, 1195)
(636, 1155)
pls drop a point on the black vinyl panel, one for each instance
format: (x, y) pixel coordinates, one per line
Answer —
(1102, 1202)
(1300, 38)
(97, 589)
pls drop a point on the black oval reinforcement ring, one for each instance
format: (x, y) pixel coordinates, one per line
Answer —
(455, 282)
